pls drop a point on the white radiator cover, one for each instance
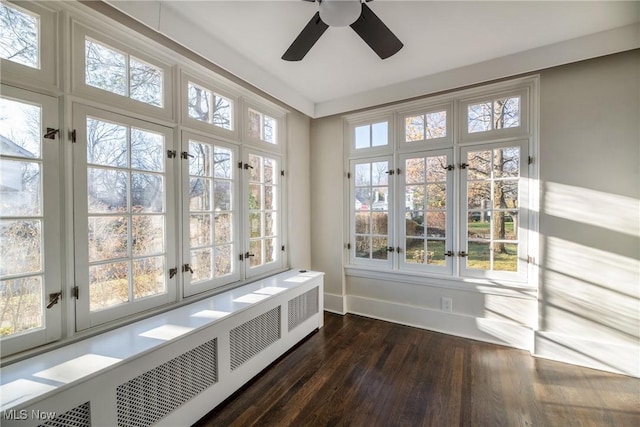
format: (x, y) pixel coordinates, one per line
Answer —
(182, 376)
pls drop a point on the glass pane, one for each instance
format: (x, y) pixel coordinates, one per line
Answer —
(255, 225)
(108, 285)
(146, 82)
(379, 248)
(505, 257)
(363, 221)
(479, 117)
(479, 225)
(20, 188)
(200, 162)
(414, 128)
(363, 174)
(222, 163)
(363, 136)
(223, 228)
(255, 249)
(223, 112)
(436, 224)
(19, 36)
(255, 196)
(479, 257)
(380, 173)
(148, 277)
(198, 102)
(147, 234)
(415, 197)
(107, 238)
(506, 162)
(222, 195)
(147, 192)
(223, 260)
(200, 230)
(379, 134)
(20, 126)
(20, 247)
(269, 131)
(269, 197)
(147, 150)
(436, 125)
(363, 247)
(105, 68)
(479, 194)
(107, 190)
(436, 169)
(504, 226)
(364, 199)
(200, 194)
(435, 252)
(380, 223)
(255, 170)
(505, 194)
(436, 196)
(106, 144)
(269, 250)
(381, 199)
(21, 305)
(269, 171)
(201, 264)
(270, 224)
(414, 170)
(414, 224)
(415, 252)
(254, 124)
(506, 113)
(479, 164)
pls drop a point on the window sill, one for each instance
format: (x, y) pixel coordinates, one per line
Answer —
(483, 286)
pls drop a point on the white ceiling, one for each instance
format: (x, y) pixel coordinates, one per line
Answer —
(447, 44)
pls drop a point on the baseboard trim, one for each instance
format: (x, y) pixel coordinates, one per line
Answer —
(335, 303)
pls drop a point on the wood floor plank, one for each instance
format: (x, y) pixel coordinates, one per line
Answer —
(357, 371)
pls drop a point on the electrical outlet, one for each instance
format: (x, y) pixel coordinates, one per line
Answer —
(447, 304)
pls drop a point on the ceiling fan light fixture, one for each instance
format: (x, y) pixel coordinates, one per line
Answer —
(340, 13)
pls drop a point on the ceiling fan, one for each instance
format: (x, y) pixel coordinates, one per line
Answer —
(340, 13)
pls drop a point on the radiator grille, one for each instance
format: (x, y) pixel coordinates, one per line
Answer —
(80, 416)
(303, 307)
(252, 337)
(151, 396)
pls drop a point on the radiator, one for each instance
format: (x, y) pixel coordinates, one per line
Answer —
(180, 378)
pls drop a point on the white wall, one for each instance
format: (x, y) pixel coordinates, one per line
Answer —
(588, 311)
(590, 218)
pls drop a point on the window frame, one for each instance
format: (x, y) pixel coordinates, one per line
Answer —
(51, 219)
(80, 33)
(47, 76)
(426, 144)
(84, 317)
(215, 88)
(189, 289)
(353, 122)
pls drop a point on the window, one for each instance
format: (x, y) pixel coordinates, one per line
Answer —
(209, 107)
(123, 215)
(371, 135)
(19, 35)
(212, 215)
(462, 209)
(29, 221)
(264, 213)
(117, 72)
(371, 203)
(262, 127)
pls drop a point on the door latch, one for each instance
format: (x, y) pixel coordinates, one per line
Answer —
(54, 298)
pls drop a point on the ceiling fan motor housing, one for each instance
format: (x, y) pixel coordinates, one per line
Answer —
(340, 13)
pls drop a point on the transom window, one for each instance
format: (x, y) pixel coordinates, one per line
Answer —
(19, 35)
(209, 107)
(425, 126)
(262, 127)
(371, 135)
(117, 72)
(501, 113)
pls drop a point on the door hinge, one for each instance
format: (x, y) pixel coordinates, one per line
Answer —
(349, 246)
(348, 175)
(73, 135)
(282, 248)
(282, 172)
(531, 259)
(530, 159)
(398, 249)
(186, 268)
(398, 171)
(171, 154)
(75, 292)
(51, 133)
(241, 257)
(185, 155)
(239, 165)
(173, 272)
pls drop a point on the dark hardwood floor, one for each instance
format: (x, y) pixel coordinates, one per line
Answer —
(362, 372)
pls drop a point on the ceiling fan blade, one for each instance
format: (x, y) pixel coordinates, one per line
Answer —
(306, 39)
(377, 35)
